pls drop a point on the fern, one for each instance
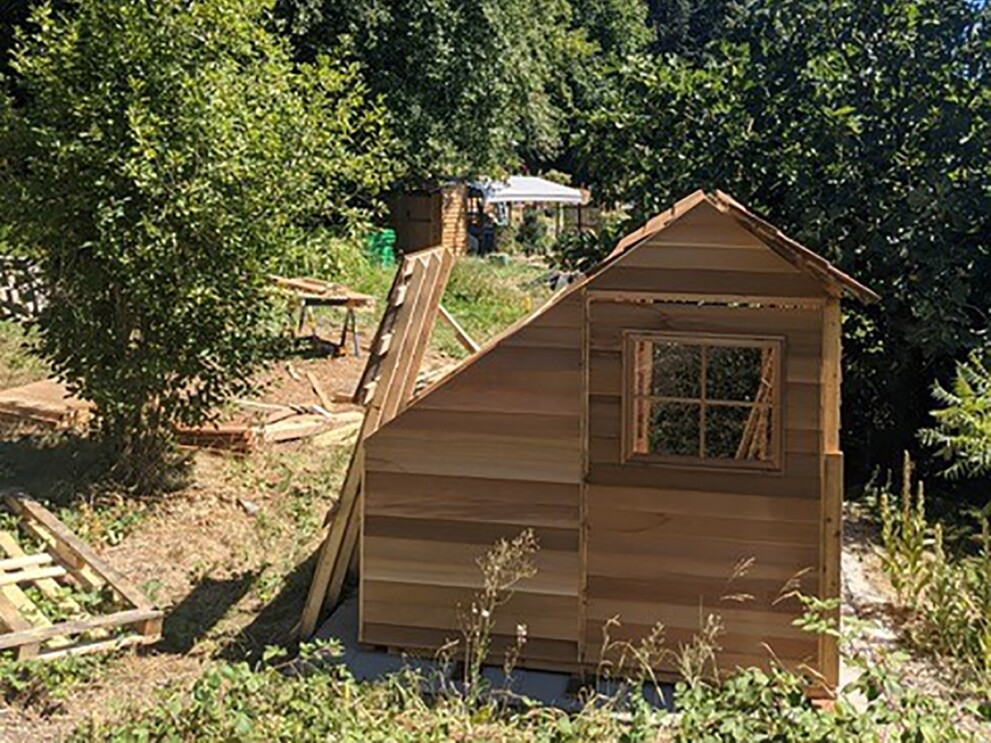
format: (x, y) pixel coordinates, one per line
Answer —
(962, 434)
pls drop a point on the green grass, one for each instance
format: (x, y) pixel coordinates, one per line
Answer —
(18, 365)
(484, 297)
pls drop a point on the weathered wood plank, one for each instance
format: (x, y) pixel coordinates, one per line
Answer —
(72, 548)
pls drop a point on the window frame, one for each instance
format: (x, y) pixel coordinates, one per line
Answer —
(630, 398)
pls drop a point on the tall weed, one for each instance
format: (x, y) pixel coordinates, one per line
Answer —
(947, 592)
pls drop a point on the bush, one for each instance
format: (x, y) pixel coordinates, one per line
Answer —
(948, 594)
(578, 250)
(169, 156)
(962, 435)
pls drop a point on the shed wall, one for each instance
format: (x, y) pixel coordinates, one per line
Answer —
(424, 219)
(663, 540)
(706, 252)
(494, 450)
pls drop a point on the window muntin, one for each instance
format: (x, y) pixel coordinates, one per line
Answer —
(703, 399)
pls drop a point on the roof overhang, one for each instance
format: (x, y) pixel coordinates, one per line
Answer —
(790, 250)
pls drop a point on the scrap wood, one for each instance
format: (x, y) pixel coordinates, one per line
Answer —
(385, 388)
(459, 332)
(324, 400)
(320, 289)
(46, 403)
(297, 427)
(26, 630)
(236, 437)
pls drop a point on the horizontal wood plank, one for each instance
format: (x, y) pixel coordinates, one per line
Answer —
(468, 532)
(442, 607)
(702, 503)
(455, 565)
(475, 454)
(659, 525)
(798, 478)
(412, 496)
(428, 641)
(707, 282)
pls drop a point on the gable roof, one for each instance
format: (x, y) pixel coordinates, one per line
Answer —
(793, 252)
(785, 247)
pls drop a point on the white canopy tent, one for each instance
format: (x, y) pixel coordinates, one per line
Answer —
(528, 189)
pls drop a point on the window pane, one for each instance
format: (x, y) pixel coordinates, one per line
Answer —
(734, 373)
(737, 432)
(674, 429)
(677, 370)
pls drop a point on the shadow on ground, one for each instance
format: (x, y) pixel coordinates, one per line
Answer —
(274, 624)
(52, 467)
(200, 610)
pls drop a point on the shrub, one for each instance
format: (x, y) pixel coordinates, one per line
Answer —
(948, 594)
(962, 435)
(169, 156)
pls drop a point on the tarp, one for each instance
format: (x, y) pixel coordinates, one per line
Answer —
(528, 189)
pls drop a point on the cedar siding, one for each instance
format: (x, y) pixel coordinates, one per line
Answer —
(529, 433)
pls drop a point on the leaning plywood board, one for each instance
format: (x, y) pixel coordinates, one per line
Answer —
(385, 388)
(42, 565)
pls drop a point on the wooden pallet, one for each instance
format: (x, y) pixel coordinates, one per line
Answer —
(385, 389)
(64, 562)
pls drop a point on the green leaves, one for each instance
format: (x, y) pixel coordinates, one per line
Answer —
(962, 435)
(169, 156)
(862, 130)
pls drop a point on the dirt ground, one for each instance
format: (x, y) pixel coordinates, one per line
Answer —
(228, 557)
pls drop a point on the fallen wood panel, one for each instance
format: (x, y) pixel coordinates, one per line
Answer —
(46, 403)
(28, 631)
(385, 388)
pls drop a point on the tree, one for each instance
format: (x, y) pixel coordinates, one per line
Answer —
(862, 129)
(470, 85)
(168, 155)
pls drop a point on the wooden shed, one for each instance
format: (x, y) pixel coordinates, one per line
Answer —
(671, 416)
(430, 217)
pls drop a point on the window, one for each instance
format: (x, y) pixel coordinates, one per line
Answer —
(702, 399)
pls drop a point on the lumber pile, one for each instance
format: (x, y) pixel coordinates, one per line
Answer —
(318, 288)
(385, 388)
(54, 624)
(46, 403)
(297, 422)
